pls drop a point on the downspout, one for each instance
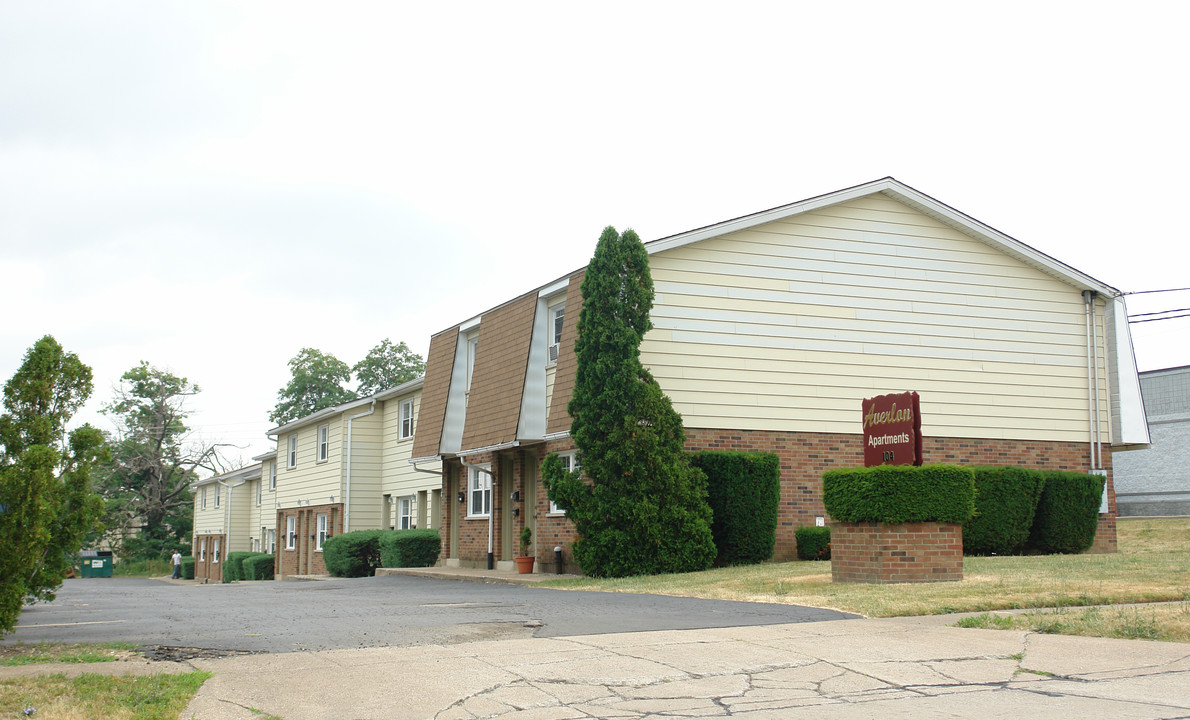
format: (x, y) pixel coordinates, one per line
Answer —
(1093, 377)
(491, 509)
(347, 494)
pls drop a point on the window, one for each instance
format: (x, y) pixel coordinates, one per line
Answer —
(321, 532)
(406, 419)
(203, 495)
(292, 455)
(472, 347)
(570, 462)
(272, 542)
(481, 491)
(259, 486)
(215, 552)
(272, 476)
(218, 489)
(405, 510)
(324, 442)
(202, 549)
(290, 531)
(557, 314)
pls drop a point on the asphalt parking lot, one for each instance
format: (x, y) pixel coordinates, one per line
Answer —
(390, 611)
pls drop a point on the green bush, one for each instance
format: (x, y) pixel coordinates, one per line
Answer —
(258, 567)
(353, 554)
(898, 494)
(233, 568)
(1005, 503)
(409, 548)
(188, 568)
(743, 490)
(813, 543)
(1067, 514)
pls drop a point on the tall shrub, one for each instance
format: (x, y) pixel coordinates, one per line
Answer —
(645, 510)
(744, 490)
(353, 554)
(259, 567)
(1005, 504)
(409, 548)
(233, 565)
(1067, 514)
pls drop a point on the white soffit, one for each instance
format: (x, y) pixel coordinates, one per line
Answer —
(905, 195)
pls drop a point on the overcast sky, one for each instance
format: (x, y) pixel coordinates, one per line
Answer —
(212, 187)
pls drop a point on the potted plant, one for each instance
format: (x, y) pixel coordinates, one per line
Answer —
(524, 562)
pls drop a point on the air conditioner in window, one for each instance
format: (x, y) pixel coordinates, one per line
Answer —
(553, 353)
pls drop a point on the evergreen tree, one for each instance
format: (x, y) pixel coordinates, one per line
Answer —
(645, 509)
(46, 503)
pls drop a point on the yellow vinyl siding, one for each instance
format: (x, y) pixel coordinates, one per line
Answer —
(787, 326)
(398, 476)
(366, 437)
(312, 480)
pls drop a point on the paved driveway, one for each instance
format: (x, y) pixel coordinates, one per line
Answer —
(365, 612)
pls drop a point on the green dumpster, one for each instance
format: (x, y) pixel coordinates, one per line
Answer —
(95, 563)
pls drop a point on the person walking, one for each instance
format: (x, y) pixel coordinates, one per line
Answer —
(177, 565)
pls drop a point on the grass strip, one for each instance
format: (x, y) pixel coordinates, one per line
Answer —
(101, 697)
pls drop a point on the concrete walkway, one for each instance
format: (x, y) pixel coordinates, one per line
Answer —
(912, 668)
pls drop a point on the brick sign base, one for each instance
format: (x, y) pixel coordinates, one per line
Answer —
(910, 553)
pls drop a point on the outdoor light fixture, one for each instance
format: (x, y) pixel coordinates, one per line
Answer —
(516, 512)
(515, 496)
(332, 498)
(462, 496)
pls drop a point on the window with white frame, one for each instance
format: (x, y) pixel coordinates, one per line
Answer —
(405, 510)
(292, 454)
(203, 496)
(272, 534)
(321, 537)
(480, 485)
(259, 486)
(215, 552)
(290, 532)
(570, 462)
(324, 442)
(472, 347)
(202, 549)
(218, 489)
(406, 419)
(272, 476)
(557, 315)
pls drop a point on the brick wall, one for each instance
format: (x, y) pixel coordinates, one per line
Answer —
(303, 559)
(908, 553)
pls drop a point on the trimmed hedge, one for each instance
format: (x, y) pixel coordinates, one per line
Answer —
(353, 554)
(1067, 514)
(1005, 504)
(409, 548)
(258, 567)
(813, 543)
(897, 494)
(744, 491)
(187, 567)
(233, 568)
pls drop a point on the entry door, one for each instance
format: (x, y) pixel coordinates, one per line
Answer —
(501, 495)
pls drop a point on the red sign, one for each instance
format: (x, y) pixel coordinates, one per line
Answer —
(892, 430)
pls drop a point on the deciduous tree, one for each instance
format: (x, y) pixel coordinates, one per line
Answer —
(645, 508)
(317, 382)
(154, 459)
(46, 502)
(387, 366)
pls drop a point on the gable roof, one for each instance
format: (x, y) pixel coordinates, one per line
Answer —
(910, 197)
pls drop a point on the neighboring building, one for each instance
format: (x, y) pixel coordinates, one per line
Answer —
(347, 468)
(768, 331)
(223, 518)
(1156, 481)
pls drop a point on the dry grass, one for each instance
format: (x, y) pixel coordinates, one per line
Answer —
(21, 654)
(1169, 622)
(98, 697)
(1153, 564)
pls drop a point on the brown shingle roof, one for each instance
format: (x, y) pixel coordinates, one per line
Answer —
(432, 414)
(498, 379)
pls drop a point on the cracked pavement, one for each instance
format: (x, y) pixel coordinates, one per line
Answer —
(910, 667)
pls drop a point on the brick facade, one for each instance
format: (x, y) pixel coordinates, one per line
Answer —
(304, 558)
(908, 553)
(208, 566)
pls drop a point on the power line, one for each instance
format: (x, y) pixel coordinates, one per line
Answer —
(1162, 312)
(1171, 317)
(1146, 292)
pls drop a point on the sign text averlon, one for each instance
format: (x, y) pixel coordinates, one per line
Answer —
(892, 430)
